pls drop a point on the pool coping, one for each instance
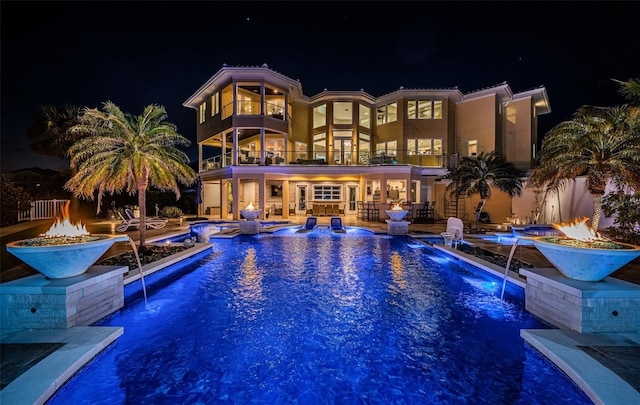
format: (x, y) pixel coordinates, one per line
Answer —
(601, 385)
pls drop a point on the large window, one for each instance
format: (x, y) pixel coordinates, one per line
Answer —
(327, 192)
(247, 105)
(300, 150)
(429, 146)
(342, 112)
(387, 113)
(364, 148)
(387, 148)
(320, 146)
(202, 112)
(365, 116)
(424, 109)
(320, 116)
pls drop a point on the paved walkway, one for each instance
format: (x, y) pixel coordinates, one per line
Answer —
(610, 378)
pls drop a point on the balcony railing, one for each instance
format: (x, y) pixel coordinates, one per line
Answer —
(309, 158)
(250, 107)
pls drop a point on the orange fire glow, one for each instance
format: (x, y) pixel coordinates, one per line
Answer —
(579, 230)
(397, 207)
(250, 206)
(63, 226)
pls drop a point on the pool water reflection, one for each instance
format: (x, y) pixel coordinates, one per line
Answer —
(322, 318)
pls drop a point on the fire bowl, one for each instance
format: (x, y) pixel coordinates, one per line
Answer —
(396, 215)
(63, 260)
(585, 263)
(250, 215)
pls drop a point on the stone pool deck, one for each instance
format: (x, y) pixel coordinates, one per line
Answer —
(606, 366)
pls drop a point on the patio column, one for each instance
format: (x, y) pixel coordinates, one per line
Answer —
(224, 206)
(235, 192)
(285, 199)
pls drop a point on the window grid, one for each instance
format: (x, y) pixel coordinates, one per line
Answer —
(327, 192)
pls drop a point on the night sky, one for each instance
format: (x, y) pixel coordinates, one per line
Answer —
(141, 53)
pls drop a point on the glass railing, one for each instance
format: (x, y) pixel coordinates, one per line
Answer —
(253, 108)
(245, 157)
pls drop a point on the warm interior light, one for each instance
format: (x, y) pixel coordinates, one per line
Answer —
(63, 227)
(579, 230)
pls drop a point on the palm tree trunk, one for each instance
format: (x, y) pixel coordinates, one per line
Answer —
(142, 200)
(597, 208)
(479, 210)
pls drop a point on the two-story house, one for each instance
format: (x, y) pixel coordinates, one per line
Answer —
(261, 140)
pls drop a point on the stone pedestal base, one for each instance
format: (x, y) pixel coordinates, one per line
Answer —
(607, 306)
(37, 302)
(397, 227)
(249, 227)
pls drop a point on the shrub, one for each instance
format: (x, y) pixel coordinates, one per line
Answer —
(171, 212)
(12, 199)
(626, 208)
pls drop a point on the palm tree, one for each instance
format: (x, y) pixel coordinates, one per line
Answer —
(49, 130)
(630, 90)
(601, 143)
(128, 153)
(477, 175)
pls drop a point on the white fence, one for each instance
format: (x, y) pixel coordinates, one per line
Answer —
(42, 209)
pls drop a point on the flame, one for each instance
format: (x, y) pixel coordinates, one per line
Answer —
(579, 230)
(397, 207)
(250, 206)
(63, 226)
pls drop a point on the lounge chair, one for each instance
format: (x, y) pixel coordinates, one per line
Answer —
(336, 225)
(133, 221)
(310, 225)
(455, 226)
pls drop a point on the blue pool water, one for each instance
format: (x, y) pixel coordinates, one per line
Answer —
(321, 318)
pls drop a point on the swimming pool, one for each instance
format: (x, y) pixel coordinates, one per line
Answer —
(321, 318)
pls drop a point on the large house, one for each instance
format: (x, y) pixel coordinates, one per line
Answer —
(262, 141)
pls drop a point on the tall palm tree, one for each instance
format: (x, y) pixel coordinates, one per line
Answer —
(128, 153)
(477, 175)
(601, 143)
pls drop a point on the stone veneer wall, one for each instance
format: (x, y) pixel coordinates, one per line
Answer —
(37, 302)
(610, 305)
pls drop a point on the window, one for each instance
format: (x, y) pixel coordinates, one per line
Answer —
(365, 118)
(202, 112)
(320, 116)
(342, 112)
(387, 148)
(473, 147)
(429, 146)
(215, 104)
(327, 192)
(245, 105)
(320, 146)
(364, 148)
(300, 150)
(424, 109)
(387, 113)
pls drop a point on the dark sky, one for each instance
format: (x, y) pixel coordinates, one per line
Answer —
(141, 53)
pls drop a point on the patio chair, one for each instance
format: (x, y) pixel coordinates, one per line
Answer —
(336, 225)
(455, 226)
(310, 225)
(292, 210)
(127, 223)
(153, 223)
